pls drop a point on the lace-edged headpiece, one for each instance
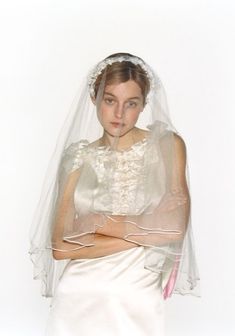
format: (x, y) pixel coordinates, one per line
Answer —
(154, 81)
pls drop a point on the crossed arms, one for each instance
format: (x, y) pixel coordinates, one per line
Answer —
(109, 238)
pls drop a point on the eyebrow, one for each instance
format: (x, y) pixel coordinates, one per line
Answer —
(110, 94)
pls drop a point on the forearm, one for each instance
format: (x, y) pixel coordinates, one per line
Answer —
(103, 245)
(149, 228)
(138, 235)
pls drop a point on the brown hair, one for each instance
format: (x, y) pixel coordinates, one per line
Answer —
(119, 72)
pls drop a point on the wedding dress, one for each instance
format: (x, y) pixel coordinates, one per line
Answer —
(112, 295)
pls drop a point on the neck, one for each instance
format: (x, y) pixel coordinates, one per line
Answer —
(121, 142)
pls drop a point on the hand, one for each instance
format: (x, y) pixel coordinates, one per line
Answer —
(116, 218)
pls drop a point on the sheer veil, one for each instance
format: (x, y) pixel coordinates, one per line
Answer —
(156, 213)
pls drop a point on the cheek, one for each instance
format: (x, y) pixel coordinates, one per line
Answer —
(103, 112)
(133, 117)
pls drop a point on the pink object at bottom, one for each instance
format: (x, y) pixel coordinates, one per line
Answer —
(167, 291)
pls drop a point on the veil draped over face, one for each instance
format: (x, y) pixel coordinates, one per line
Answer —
(140, 194)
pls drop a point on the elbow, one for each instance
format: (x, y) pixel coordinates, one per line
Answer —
(179, 237)
(58, 250)
(58, 255)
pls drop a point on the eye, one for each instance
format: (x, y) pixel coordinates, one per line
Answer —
(132, 103)
(109, 101)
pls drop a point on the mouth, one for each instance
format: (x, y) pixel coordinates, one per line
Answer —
(117, 124)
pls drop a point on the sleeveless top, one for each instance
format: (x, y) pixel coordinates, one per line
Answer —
(116, 178)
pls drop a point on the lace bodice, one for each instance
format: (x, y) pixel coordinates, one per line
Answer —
(116, 179)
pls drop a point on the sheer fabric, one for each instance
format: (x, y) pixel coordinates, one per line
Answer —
(140, 193)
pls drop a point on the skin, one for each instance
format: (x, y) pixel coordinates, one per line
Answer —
(118, 112)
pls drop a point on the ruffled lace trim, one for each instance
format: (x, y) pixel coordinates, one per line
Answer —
(120, 175)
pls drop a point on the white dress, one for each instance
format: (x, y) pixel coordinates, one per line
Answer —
(113, 295)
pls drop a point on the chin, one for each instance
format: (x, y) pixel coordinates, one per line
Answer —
(118, 131)
(121, 133)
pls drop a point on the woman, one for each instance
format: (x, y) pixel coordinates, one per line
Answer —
(112, 236)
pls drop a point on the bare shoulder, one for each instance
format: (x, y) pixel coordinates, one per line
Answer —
(95, 143)
(143, 133)
(181, 152)
(179, 142)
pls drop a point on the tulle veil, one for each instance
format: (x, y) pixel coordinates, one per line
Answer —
(158, 214)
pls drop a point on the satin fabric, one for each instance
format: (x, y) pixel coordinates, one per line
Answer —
(112, 295)
(114, 182)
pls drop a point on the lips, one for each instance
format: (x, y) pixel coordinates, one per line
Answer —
(117, 124)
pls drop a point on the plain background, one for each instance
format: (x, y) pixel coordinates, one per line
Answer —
(47, 46)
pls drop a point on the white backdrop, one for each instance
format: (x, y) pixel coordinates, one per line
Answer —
(46, 48)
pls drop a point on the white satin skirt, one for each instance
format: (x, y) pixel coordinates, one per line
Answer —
(112, 295)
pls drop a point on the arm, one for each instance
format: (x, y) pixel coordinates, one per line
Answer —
(103, 246)
(168, 210)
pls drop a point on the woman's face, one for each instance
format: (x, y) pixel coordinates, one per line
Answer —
(120, 107)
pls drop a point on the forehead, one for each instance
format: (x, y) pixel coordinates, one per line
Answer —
(125, 89)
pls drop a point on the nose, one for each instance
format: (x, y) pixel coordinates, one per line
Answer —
(119, 111)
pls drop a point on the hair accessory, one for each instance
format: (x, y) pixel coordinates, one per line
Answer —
(135, 60)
